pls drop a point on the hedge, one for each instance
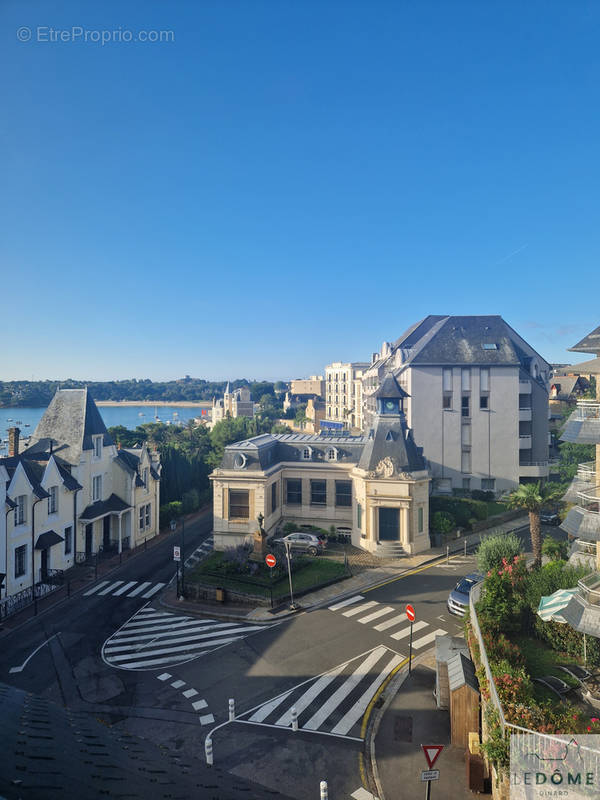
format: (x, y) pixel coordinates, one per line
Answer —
(462, 509)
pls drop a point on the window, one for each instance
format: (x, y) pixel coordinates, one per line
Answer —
(488, 484)
(484, 379)
(96, 488)
(465, 379)
(464, 406)
(68, 539)
(145, 478)
(141, 518)
(332, 454)
(306, 454)
(239, 504)
(447, 401)
(20, 561)
(420, 520)
(293, 491)
(318, 493)
(465, 461)
(148, 512)
(53, 500)
(447, 379)
(465, 436)
(343, 493)
(20, 510)
(489, 346)
(466, 484)
(483, 402)
(359, 516)
(97, 446)
(273, 497)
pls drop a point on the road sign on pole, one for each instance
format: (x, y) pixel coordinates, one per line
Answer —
(176, 553)
(410, 615)
(270, 561)
(432, 752)
(430, 775)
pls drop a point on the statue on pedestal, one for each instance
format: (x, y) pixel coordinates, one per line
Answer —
(260, 536)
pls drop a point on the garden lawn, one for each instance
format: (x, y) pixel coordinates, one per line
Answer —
(541, 660)
(494, 508)
(313, 573)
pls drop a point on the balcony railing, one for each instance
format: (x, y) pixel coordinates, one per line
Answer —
(585, 548)
(586, 409)
(524, 387)
(589, 589)
(525, 415)
(586, 471)
(524, 441)
(533, 463)
(590, 500)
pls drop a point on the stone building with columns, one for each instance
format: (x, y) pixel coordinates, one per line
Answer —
(72, 494)
(374, 486)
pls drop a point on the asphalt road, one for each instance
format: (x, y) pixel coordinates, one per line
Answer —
(167, 677)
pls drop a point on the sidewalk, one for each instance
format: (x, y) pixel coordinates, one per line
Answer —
(410, 720)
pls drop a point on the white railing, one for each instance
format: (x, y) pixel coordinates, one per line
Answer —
(533, 463)
(589, 589)
(586, 471)
(589, 500)
(587, 409)
(586, 548)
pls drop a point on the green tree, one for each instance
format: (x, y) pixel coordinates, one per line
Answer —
(494, 549)
(532, 497)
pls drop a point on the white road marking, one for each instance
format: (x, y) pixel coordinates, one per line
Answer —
(199, 705)
(417, 626)
(348, 602)
(139, 589)
(399, 620)
(110, 588)
(359, 609)
(207, 719)
(308, 696)
(380, 613)
(178, 684)
(264, 711)
(319, 717)
(12, 670)
(362, 794)
(123, 589)
(190, 693)
(184, 648)
(164, 677)
(95, 588)
(154, 590)
(428, 638)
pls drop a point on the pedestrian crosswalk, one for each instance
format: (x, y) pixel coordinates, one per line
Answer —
(153, 638)
(125, 589)
(200, 552)
(371, 611)
(332, 703)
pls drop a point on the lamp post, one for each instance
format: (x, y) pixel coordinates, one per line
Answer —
(288, 553)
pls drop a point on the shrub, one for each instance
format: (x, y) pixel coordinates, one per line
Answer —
(191, 501)
(503, 599)
(442, 522)
(289, 527)
(495, 548)
(548, 579)
(170, 511)
(235, 559)
(461, 509)
(512, 682)
(555, 550)
(479, 494)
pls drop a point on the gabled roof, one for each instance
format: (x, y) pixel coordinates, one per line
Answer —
(391, 437)
(589, 343)
(68, 425)
(101, 508)
(391, 388)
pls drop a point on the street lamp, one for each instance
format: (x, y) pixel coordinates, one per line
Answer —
(173, 527)
(288, 553)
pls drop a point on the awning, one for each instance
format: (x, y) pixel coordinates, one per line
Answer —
(551, 605)
(114, 505)
(47, 540)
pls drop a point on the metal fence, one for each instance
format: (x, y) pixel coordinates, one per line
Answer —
(17, 602)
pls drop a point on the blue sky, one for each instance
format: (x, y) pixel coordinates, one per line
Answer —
(287, 184)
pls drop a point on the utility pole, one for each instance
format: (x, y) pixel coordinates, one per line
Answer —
(183, 556)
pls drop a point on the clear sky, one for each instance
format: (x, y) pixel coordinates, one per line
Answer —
(285, 184)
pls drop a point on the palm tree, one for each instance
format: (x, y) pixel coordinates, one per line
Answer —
(532, 497)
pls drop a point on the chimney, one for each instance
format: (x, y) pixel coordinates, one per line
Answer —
(13, 441)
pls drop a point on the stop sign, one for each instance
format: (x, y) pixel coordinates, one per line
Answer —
(270, 560)
(410, 613)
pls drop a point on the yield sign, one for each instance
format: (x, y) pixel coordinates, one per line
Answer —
(432, 752)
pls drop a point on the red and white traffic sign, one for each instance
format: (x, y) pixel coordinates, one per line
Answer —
(432, 752)
(176, 553)
(410, 613)
(270, 561)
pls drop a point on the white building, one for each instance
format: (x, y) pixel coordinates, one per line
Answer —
(344, 394)
(72, 493)
(234, 404)
(478, 400)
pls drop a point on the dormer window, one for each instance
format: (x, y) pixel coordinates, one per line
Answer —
(332, 454)
(53, 500)
(239, 461)
(306, 454)
(97, 441)
(489, 346)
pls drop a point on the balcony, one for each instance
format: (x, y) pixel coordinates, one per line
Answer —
(533, 469)
(583, 520)
(587, 471)
(525, 415)
(524, 387)
(583, 610)
(583, 426)
(525, 441)
(589, 589)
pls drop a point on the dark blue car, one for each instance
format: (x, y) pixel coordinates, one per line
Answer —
(458, 600)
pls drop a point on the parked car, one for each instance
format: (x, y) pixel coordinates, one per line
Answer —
(458, 599)
(549, 518)
(303, 542)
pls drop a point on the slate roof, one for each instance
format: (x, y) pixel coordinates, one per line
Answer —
(564, 385)
(69, 423)
(461, 672)
(589, 343)
(101, 508)
(267, 450)
(391, 388)
(591, 367)
(581, 616)
(439, 340)
(34, 464)
(391, 437)
(582, 524)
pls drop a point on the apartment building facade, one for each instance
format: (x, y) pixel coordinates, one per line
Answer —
(477, 401)
(344, 394)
